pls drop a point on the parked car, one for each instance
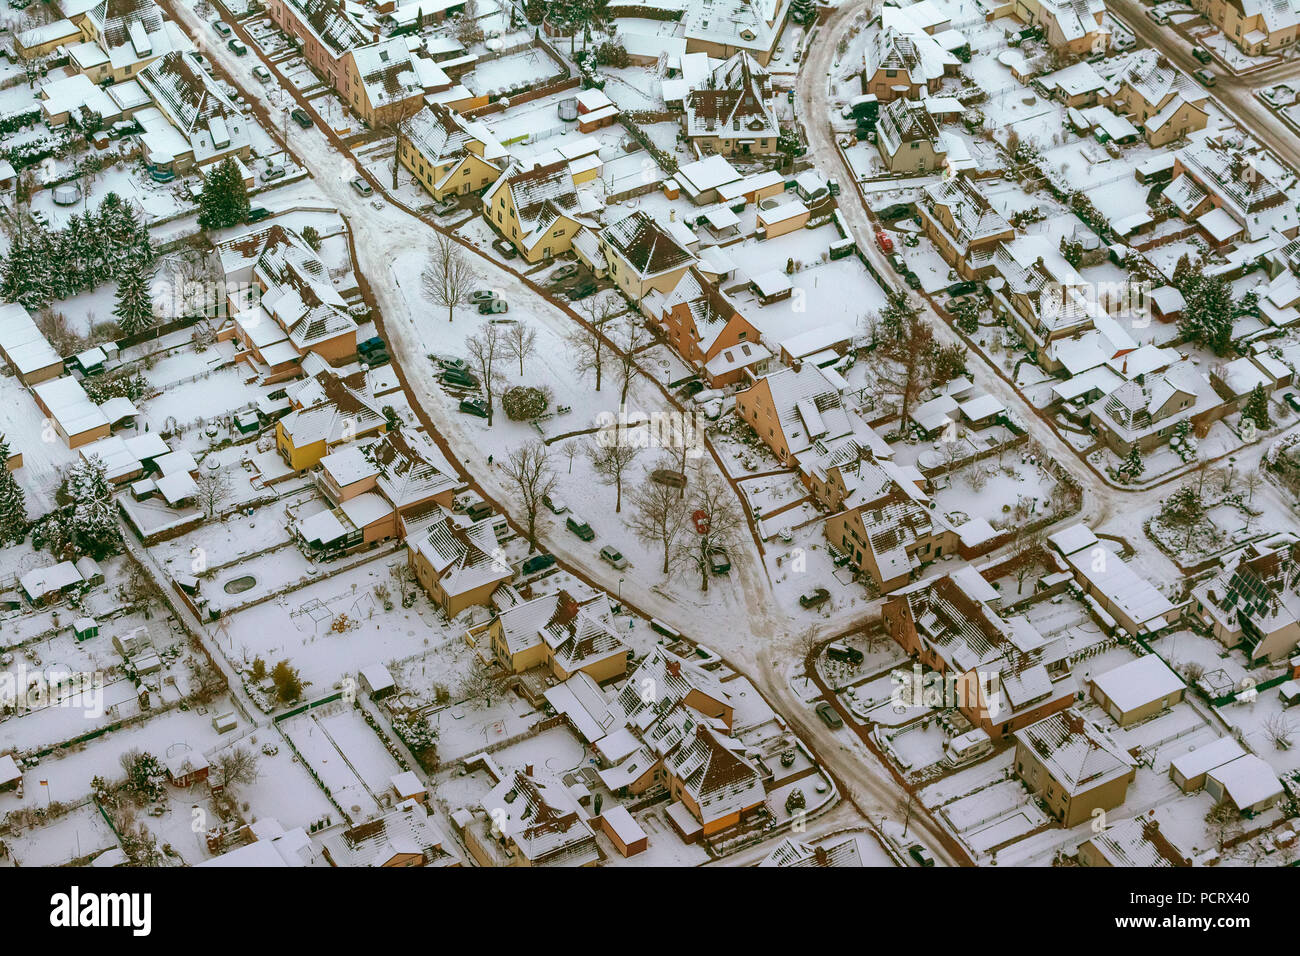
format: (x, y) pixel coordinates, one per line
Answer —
(370, 345)
(493, 306)
(1159, 16)
(236, 46)
(505, 248)
(719, 560)
(962, 288)
(446, 207)
(1202, 54)
(886, 244)
(898, 210)
(222, 28)
(299, 116)
(1206, 77)
(261, 74)
(202, 61)
(912, 280)
(669, 477)
(258, 213)
(566, 271)
(272, 172)
(1291, 400)
(613, 557)
(361, 186)
(459, 378)
(478, 509)
(581, 291)
(555, 503)
(538, 562)
(920, 854)
(828, 715)
(454, 363)
(815, 598)
(474, 406)
(579, 527)
(481, 295)
(896, 262)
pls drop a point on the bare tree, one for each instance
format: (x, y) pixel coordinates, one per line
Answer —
(570, 449)
(237, 767)
(1280, 730)
(529, 469)
(1027, 555)
(588, 340)
(658, 517)
(484, 347)
(521, 341)
(611, 455)
(717, 518)
(401, 130)
(1252, 482)
(447, 277)
(483, 682)
(904, 346)
(635, 337)
(214, 489)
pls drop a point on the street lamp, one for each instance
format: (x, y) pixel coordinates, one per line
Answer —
(620, 590)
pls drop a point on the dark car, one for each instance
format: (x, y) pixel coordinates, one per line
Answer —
(827, 713)
(372, 344)
(896, 211)
(300, 117)
(258, 213)
(1202, 54)
(961, 288)
(505, 248)
(920, 854)
(581, 291)
(719, 560)
(669, 477)
(474, 406)
(1291, 400)
(538, 562)
(478, 510)
(912, 279)
(459, 379)
(377, 357)
(579, 527)
(814, 598)
(897, 263)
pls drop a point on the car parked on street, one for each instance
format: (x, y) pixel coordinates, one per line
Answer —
(1205, 77)
(920, 854)
(261, 74)
(538, 562)
(474, 406)
(555, 504)
(828, 715)
(459, 379)
(299, 116)
(1202, 54)
(236, 46)
(505, 248)
(613, 557)
(361, 186)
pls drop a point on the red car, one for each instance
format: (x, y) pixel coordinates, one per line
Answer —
(886, 244)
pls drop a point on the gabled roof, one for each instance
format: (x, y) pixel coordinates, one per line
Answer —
(713, 769)
(645, 246)
(1077, 753)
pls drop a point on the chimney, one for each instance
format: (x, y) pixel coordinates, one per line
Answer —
(528, 770)
(674, 668)
(823, 858)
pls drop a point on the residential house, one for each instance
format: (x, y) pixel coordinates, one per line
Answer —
(1074, 766)
(458, 562)
(559, 632)
(1137, 690)
(643, 256)
(712, 779)
(732, 113)
(705, 329)
(1158, 98)
(1003, 673)
(1253, 601)
(537, 210)
(328, 410)
(963, 224)
(405, 836)
(908, 138)
(448, 154)
(533, 820)
(722, 28)
(211, 128)
(1257, 27)
(1071, 27)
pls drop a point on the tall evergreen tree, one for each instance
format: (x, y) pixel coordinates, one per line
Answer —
(1256, 409)
(13, 509)
(134, 311)
(224, 200)
(94, 522)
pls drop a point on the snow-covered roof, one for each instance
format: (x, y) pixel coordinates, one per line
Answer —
(1138, 683)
